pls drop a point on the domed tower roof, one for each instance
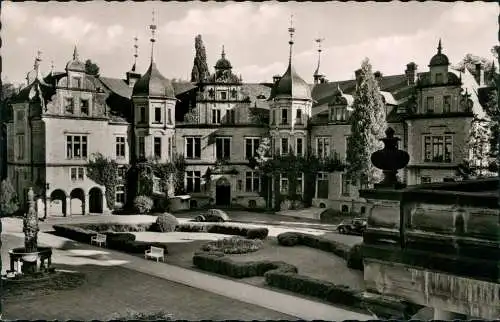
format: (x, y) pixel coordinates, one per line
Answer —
(291, 85)
(153, 83)
(75, 64)
(223, 63)
(439, 59)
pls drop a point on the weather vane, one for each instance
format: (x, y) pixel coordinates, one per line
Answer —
(319, 41)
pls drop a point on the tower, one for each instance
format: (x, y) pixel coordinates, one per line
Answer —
(438, 66)
(132, 75)
(318, 77)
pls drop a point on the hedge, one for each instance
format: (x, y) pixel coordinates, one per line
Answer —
(116, 240)
(105, 227)
(248, 232)
(285, 276)
(294, 238)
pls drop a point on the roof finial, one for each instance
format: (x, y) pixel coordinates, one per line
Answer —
(135, 53)
(291, 31)
(51, 66)
(439, 46)
(152, 27)
(223, 54)
(319, 41)
(38, 59)
(75, 53)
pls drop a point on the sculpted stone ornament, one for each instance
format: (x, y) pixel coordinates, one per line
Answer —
(390, 159)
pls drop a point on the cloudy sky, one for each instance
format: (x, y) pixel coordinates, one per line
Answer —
(254, 34)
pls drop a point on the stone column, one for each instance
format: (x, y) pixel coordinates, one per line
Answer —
(68, 207)
(87, 203)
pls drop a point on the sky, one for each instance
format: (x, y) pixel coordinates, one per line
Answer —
(255, 35)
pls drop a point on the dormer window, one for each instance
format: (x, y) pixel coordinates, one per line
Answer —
(447, 104)
(284, 116)
(223, 95)
(84, 107)
(439, 78)
(298, 119)
(429, 105)
(142, 114)
(69, 106)
(233, 93)
(77, 82)
(157, 114)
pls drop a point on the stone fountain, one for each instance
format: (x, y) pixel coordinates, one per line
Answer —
(30, 260)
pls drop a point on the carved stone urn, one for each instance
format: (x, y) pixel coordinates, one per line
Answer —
(390, 159)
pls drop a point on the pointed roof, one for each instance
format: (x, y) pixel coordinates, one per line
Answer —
(75, 64)
(439, 59)
(223, 63)
(153, 83)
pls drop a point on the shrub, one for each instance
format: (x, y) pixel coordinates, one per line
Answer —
(257, 233)
(288, 239)
(333, 215)
(8, 199)
(355, 257)
(130, 315)
(236, 245)
(166, 222)
(143, 204)
(192, 227)
(118, 228)
(218, 215)
(75, 233)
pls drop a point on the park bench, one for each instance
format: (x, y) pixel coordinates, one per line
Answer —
(99, 239)
(155, 252)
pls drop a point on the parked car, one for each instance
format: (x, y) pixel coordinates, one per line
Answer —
(212, 215)
(356, 226)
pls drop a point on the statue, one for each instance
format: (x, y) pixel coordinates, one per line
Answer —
(30, 229)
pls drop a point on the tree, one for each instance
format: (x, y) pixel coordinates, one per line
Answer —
(368, 124)
(91, 68)
(469, 62)
(200, 68)
(479, 143)
(8, 199)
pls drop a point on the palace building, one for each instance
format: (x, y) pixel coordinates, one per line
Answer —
(59, 120)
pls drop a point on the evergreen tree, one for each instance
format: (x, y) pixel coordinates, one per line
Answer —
(200, 68)
(469, 62)
(368, 124)
(8, 199)
(91, 68)
(478, 143)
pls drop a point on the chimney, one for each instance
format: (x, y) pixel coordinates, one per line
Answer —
(411, 73)
(479, 74)
(276, 78)
(357, 73)
(322, 80)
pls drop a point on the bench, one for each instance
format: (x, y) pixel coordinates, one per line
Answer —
(99, 239)
(155, 252)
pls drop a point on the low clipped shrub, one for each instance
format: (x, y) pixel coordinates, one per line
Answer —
(355, 257)
(294, 238)
(257, 233)
(118, 228)
(131, 315)
(191, 228)
(248, 232)
(236, 245)
(143, 204)
(75, 233)
(166, 222)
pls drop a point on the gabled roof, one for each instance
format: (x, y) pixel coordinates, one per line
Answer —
(257, 94)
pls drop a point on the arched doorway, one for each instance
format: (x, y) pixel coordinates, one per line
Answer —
(222, 192)
(95, 201)
(58, 203)
(77, 202)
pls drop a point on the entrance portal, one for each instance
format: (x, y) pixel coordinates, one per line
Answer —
(222, 192)
(95, 201)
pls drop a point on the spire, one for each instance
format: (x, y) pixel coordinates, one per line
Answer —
(38, 59)
(318, 40)
(223, 54)
(291, 31)
(439, 46)
(135, 53)
(75, 54)
(152, 27)
(51, 67)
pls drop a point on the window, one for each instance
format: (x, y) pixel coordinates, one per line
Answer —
(193, 148)
(283, 184)
(77, 82)
(84, 107)
(284, 146)
(76, 146)
(169, 116)
(299, 147)
(284, 116)
(300, 182)
(223, 95)
(363, 182)
(20, 116)
(223, 148)
(252, 181)
(338, 113)
(215, 116)
(230, 116)
(251, 146)
(121, 172)
(322, 185)
(69, 105)
(439, 78)
(447, 104)
(157, 114)
(169, 147)
(157, 185)
(438, 148)
(234, 93)
(120, 194)
(120, 146)
(298, 119)
(273, 113)
(425, 179)
(77, 173)
(193, 181)
(157, 147)
(429, 105)
(20, 147)
(142, 146)
(346, 186)
(323, 147)
(142, 114)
